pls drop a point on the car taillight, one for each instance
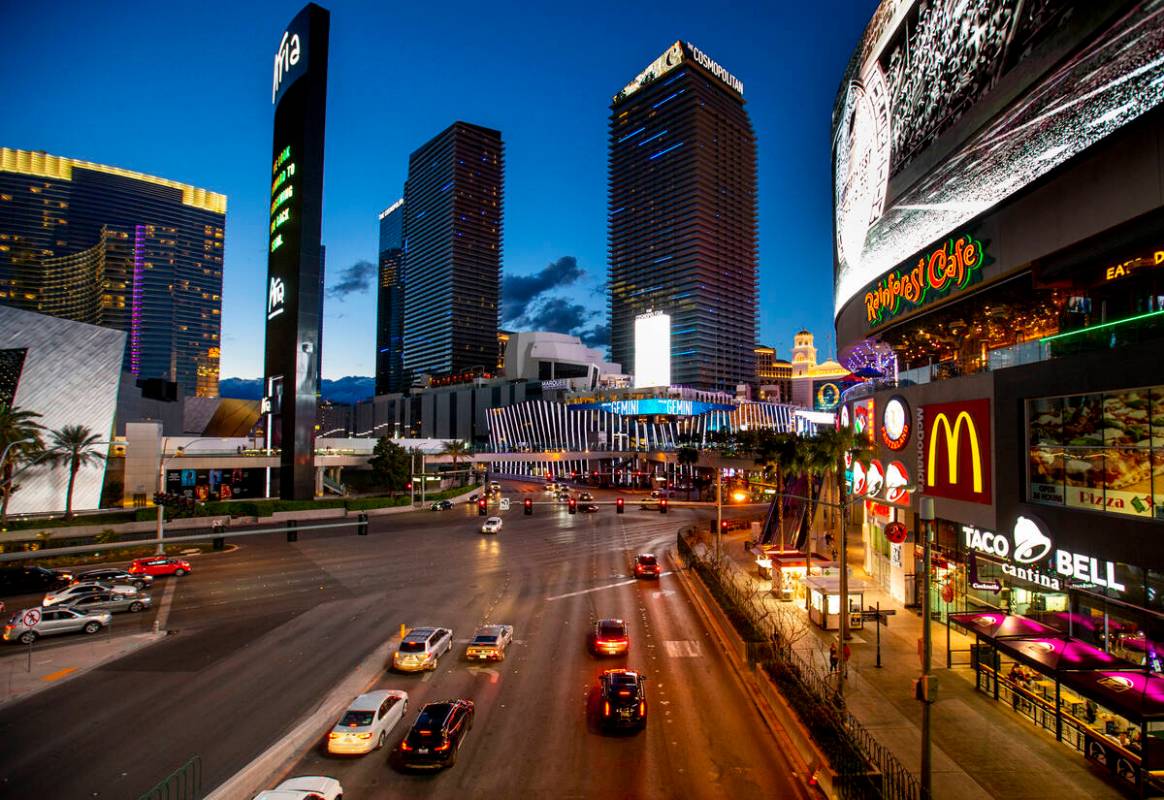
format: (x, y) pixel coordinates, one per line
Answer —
(333, 735)
(440, 748)
(606, 708)
(404, 745)
(363, 736)
(643, 709)
(624, 694)
(8, 629)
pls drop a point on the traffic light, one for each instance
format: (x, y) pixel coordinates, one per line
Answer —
(662, 505)
(618, 506)
(723, 526)
(573, 505)
(408, 486)
(481, 507)
(528, 507)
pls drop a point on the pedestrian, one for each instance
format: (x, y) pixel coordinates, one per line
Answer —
(833, 660)
(1090, 712)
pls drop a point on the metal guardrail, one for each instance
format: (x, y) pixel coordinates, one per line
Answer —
(866, 769)
(211, 535)
(184, 783)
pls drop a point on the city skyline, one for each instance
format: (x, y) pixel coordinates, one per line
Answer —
(555, 129)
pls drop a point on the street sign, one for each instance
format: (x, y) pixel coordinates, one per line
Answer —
(31, 617)
(505, 504)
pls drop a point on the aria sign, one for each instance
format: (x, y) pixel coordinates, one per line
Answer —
(1029, 546)
(954, 265)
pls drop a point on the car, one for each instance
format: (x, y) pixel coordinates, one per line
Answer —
(551, 487)
(29, 580)
(492, 525)
(563, 497)
(365, 726)
(489, 643)
(589, 508)
(70, 594)
(624, 699)
(114, 576)
(112, 601)
(473, 497)
(649, 505)
(442, 505)
(422, 648)
(437, 734)
(160, 565)
(307, 787)
(54, 621)
(647, 566)
(609, 638)
(586, 496)
(495, 485)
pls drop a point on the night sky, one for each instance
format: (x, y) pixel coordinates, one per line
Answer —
(182, 90)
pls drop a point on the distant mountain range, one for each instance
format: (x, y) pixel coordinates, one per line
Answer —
(351, 389)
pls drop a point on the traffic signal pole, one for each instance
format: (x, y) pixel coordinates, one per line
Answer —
(159, 548)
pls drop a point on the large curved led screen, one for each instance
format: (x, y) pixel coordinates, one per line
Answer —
(950, 106)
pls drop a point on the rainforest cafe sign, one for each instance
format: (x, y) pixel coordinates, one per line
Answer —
(954, 265)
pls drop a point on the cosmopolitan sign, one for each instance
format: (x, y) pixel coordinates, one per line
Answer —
(954, 265)
(715, 69)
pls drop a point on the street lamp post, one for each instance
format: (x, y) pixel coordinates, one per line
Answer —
(843, 628)
(926, 512)
(718, 513)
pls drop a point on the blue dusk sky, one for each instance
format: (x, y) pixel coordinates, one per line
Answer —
(183, 90)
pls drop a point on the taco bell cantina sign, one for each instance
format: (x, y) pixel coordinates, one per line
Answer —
(1025, 553)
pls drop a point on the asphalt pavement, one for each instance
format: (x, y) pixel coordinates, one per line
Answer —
(260, 635)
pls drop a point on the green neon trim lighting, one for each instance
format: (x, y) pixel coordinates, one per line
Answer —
(1101, 327)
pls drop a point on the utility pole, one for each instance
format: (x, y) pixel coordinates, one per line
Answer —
(926, 695)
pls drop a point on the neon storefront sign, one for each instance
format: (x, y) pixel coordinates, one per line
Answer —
(952, 266)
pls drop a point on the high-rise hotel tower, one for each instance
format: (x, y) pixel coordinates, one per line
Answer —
(682, 217)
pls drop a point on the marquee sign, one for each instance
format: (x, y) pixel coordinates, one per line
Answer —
(1126, 268)
(956, 443)
(294, 252)
(949, 267)
(651, 406)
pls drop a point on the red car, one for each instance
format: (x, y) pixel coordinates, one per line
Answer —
(647, 566)
(159, 566)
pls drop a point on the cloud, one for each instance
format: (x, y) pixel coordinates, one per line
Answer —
(518, 292)
(356, 279)
(597, 336)
(556, 314)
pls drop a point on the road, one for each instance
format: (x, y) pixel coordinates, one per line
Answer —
(260, 635)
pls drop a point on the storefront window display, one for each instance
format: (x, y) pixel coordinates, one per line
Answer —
(1102, 451)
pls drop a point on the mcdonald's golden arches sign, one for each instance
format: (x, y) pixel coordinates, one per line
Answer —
(955, 452)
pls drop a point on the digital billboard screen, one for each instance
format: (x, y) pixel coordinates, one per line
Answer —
(948, 107)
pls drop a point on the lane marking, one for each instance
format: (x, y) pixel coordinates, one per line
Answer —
(164, 607)
(60, 673)
(588, 591)
(682, 649)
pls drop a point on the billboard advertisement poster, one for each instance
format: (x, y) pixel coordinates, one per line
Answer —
(957, 450)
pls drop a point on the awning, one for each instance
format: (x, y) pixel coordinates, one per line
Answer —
(996, 624)
(1060, 653)
(1133, 695)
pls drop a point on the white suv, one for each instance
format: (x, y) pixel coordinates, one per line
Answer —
(422, 648)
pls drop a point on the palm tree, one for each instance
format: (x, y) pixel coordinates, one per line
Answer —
(826, 457)
(20, 438)
(457, 449)
(76, 446)
(785, 455)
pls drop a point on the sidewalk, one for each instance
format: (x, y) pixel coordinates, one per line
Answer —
(52, 664)
(980, 748)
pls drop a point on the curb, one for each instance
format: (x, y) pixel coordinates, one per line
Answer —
(282, 756)
(781, 720)
(143, 640)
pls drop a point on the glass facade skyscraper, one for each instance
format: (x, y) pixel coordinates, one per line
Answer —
(452, 252)
(682, 217)
(121, 249)
(390, 302)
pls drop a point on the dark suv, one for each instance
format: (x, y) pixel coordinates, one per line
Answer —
(437, 734)
(624, 699)
(29, 580)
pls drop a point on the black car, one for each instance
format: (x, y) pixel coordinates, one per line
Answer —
(29, 580)
(113, 576)
(624, 699)
(589, 508)
(437, 734)
(443, 505)
(586, 496)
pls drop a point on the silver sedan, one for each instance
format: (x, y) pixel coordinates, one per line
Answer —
(112, 602)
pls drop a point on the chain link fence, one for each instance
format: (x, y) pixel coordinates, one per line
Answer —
(865, 769)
